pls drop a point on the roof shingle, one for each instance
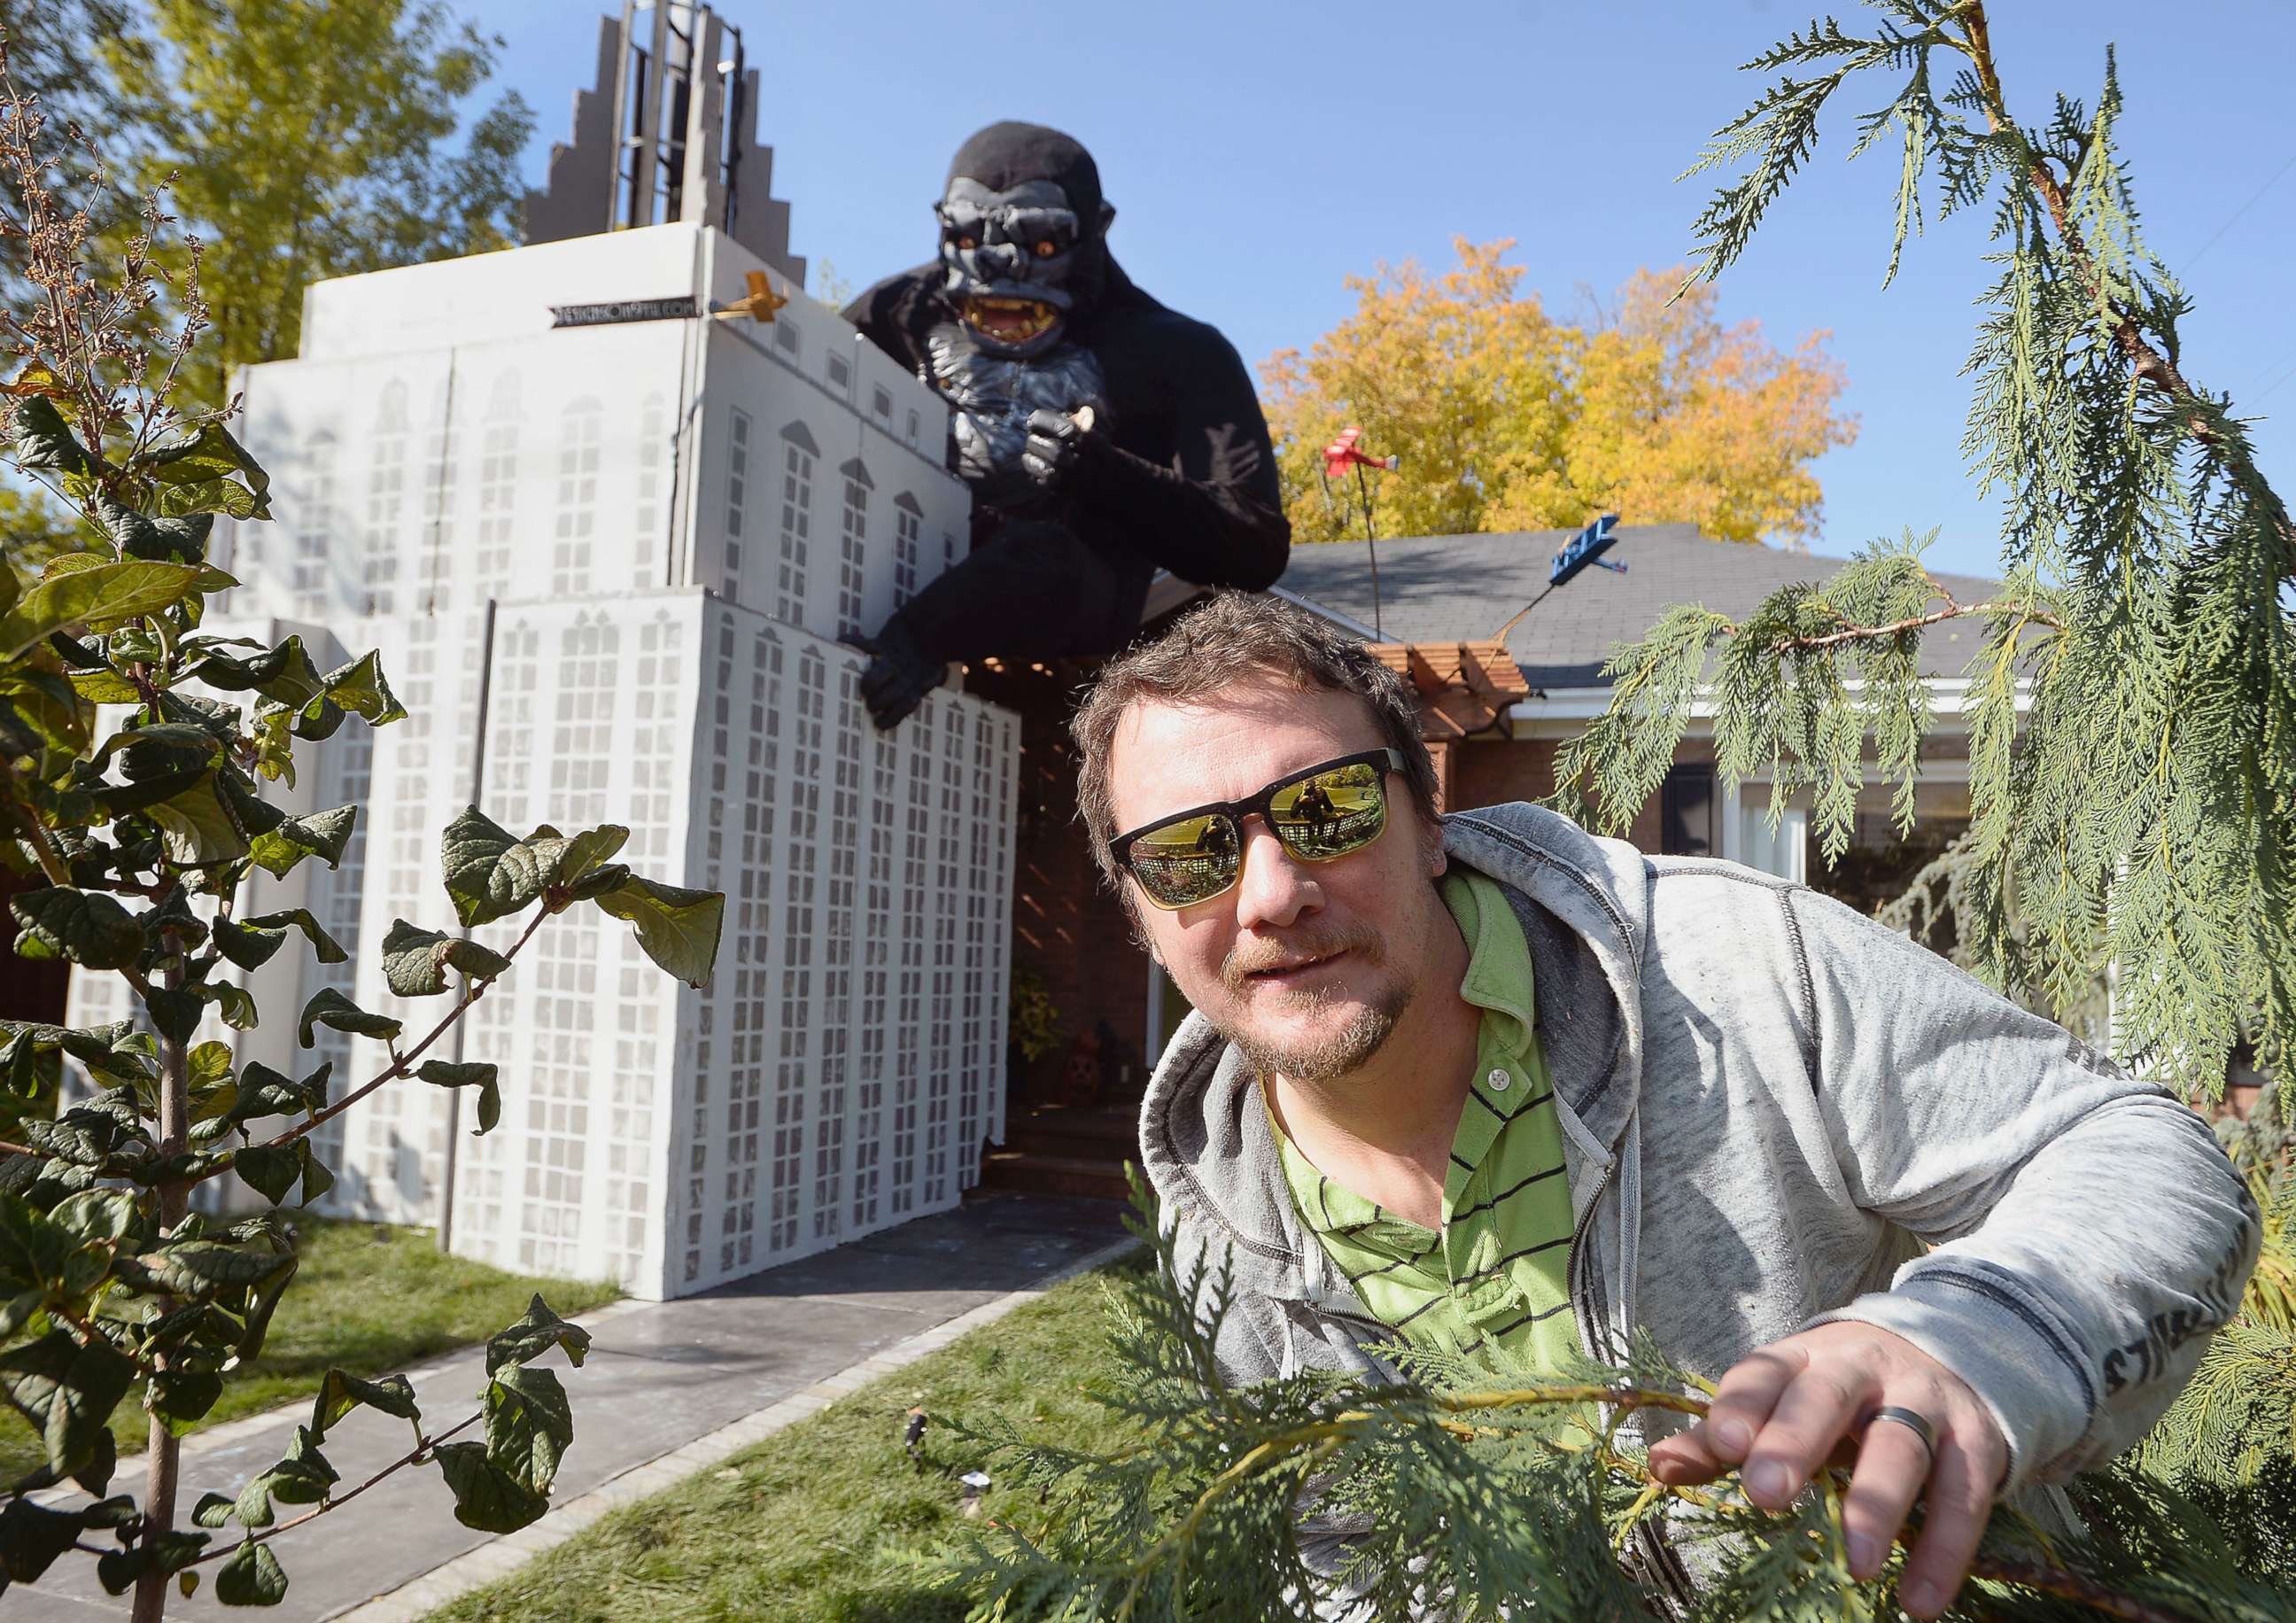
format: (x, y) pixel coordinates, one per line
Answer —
(1450, 588)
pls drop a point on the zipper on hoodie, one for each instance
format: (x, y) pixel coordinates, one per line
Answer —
(1659, 1555)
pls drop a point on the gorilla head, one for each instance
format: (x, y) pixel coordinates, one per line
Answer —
(1023, 230)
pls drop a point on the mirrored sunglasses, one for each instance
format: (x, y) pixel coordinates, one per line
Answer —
(1319, 814)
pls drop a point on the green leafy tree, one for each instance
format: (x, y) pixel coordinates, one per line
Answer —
(155, 844)
(2139, 817)
(303, 142)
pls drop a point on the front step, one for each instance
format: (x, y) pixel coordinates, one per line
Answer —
(1109, 1134)
(1036, 1173)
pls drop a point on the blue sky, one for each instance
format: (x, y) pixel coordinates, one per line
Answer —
(1259, 153)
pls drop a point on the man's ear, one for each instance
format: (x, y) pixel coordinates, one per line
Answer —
(1107, 217)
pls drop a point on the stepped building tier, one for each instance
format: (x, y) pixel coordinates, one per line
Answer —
(613, 553)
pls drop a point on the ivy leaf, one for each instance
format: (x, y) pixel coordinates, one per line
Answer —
(197, 828)
(250, 1576)
(472, 849)
(559, 860)
(210, 1066)
(168, 537)
(480, 1074)
(183, 1398)
(329, 1007)
(201, 475)
(359, 688)
(31, 1537)
(197, 744)
(340, 1393)
(202, 1267)
(67, 1393)
(86, 926)
(249, 942)
(265, 1092)
(106, 595)
(321, 834)
(269, 1169)
(679, 929)
(284, 674)
(237, 1005)
(487, 1496)
(535, 1334)
(302, 1477)
(32, 1247)
(212, 1510)
(415, 961)
(174, 1011)
(45, 443)
(529, 1425)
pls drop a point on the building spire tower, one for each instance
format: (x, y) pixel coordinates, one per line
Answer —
(668, 132)
(610, 507)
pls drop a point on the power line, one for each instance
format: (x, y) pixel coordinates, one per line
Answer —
(2236, 213)
(2276, 383)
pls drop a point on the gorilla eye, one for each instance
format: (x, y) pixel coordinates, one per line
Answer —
(1045, 248)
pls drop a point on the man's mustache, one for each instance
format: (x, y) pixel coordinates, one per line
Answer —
(1249, 958)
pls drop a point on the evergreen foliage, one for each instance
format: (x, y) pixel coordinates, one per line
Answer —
(148, 836)
(2132, 704)
(1469, 1490)
(2142, 812)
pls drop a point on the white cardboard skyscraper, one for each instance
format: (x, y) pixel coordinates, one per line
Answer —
(678, 523)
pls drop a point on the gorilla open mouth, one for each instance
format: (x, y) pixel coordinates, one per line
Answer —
(1009, 321)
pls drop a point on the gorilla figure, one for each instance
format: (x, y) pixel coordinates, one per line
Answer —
(1104, 435)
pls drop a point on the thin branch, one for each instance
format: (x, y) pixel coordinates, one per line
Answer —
(1954, 611)
(402, 1065)
(335, 1502)
(2144, 359)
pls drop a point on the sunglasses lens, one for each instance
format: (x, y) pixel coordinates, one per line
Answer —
(1331, 813)
(1192, 860)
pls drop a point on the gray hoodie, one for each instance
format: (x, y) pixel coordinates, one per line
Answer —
(1778, 1113)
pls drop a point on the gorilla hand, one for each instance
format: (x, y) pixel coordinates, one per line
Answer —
(899, 678)
(1055, 447)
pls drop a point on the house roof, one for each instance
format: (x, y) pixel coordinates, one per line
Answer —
(1452, 588)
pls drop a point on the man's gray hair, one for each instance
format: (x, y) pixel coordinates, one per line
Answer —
(1233, 637)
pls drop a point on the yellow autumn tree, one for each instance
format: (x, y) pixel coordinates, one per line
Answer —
(1508, 419)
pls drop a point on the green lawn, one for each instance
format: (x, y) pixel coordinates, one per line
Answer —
(804, 1528)
(369, 1297)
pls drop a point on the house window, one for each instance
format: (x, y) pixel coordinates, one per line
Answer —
(914, 427)
(786, 336)
(880, 401)
(840, 374)
(1686, 810)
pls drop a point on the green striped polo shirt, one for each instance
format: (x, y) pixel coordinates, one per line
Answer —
(1496, 1271)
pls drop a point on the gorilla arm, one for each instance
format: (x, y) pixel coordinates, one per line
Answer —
(1216, 518)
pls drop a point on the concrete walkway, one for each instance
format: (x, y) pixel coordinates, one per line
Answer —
(668, 1389)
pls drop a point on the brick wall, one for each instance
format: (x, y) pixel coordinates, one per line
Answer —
(1492, 770)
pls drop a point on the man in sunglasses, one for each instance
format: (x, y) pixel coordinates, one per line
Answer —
(1495, 1086)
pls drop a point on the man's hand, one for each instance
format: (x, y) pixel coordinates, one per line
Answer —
(1784, 1411)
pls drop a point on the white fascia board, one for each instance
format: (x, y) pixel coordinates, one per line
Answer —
(1562, 707)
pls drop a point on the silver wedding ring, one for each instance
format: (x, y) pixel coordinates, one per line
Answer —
(1914, 1421)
